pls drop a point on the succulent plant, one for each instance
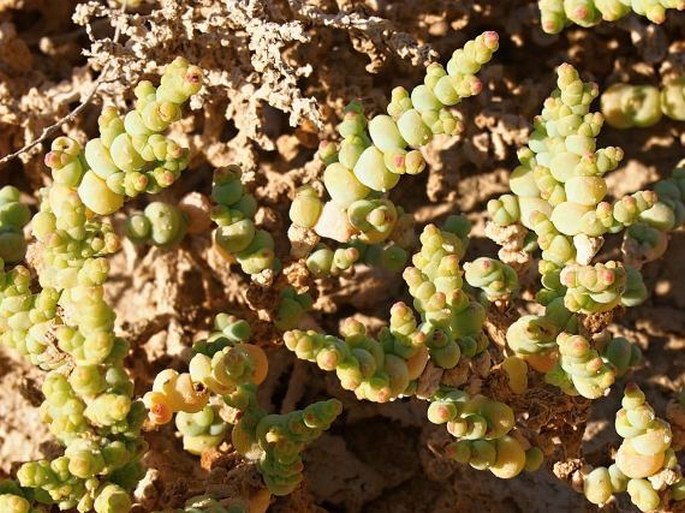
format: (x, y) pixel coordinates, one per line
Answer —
(628, 106)
(376, 152)
(645, 464)
(65, 325)
(557, 14)
(226, 365)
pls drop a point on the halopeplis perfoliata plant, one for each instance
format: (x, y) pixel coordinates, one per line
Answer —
(226, 365)
(628, 106)
(66, 326)
(558, 204)
(645, 464)
(375, 153)
(557, 14)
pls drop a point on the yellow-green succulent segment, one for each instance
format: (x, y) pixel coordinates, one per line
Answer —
(324, 261)
(14, 215)
(557, 14)
(89, 405)
(647, 238)
(673, 98)
(470, 418)
(386, 367)
(532, 334)
(644, 455)
(236, 235)
(558, 189)
(15, 500)
(558, 194)
(497, 280)
(132, 154)
(282, 438)
(375, 152)
(376, 369)
(580, 369)
(160, 224)
(481, 427)
(621, 354)
(452, 321)
(203, 430)
(592, 289)
(227, 365)
(668, 212)
(292, 308)
(628, 106)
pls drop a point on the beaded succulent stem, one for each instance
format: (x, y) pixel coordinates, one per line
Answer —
(88, 405)
(226, 365)
(14, 215)
(628, 106)
(376, 152)
(645, 464)
(384, 368)
(237, 239)
(160, 224)
(67, 327)
(556, 14)
(236, 236)
(132, 154)
(481, 427)
(558, 197)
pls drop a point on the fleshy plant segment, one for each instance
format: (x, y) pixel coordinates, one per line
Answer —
(160, 224)
(372, 157)
(14, 215)
(63, 323)
(628, 106)
(557, 14)
(228, 368)
(236, 236)
(645, 464)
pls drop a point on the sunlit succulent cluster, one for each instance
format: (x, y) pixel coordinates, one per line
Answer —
(160, 224)
(236, 236)
(557, 14)
(227, 367)
(628, 106)
(53, 309)
(558, 205)
(373, 156)
(444, 330)
(14, 215)
(645, 465)
(63, 324)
